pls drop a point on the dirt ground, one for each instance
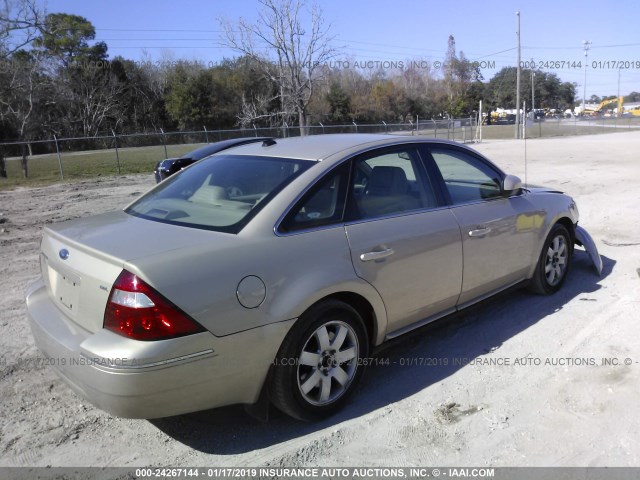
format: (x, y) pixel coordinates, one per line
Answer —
(524, 382)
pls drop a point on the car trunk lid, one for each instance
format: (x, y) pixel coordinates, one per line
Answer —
(81, 259)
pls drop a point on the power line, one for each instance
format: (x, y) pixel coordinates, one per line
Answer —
(350, 41)
(157, 30)
(155, 39)
(496, 53)
(581, 48)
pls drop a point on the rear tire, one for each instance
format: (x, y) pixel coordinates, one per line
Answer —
(554, 262)
(320, 361)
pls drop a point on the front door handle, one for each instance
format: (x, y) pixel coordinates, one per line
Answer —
(479, 232)
(377, 255)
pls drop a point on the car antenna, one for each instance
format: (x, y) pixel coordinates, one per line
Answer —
(269, 142)
(525, 162)
(524, 136)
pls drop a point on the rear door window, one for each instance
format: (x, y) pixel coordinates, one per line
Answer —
(390, 182)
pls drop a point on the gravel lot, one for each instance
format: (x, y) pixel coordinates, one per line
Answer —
(554, 404)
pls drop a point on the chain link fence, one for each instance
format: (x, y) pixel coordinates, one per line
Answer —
(82, 157)
(50, 160)
(553, 127)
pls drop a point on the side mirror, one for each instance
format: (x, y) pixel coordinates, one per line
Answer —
(511, 185)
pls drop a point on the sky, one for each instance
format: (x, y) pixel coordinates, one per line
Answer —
(551, 32)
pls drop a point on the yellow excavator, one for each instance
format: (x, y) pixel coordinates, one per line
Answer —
(600, 109)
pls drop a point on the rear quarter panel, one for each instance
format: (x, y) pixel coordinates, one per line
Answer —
(298, 270)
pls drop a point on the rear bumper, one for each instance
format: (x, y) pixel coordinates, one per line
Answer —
(160, 172)
(134, 379)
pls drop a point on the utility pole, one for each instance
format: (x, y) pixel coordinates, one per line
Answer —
(533, 94)
(587, 45)
(518, 80)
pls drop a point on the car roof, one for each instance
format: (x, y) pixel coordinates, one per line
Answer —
(319, 147)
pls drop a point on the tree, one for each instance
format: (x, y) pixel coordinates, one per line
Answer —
(418, 85)
(20, 22)
(449, 67)
(24, 98)
(66, 37)
(186, 97)
(477, 91)
(240, 86)
(339, 104)
(218, 97)
(88, 94)
(142, 99)
(632, 97)
(459, 75)
(550, 92)
(295, 45)
(358, 88)
(388, 101)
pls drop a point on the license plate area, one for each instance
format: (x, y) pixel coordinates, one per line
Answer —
(65, 288)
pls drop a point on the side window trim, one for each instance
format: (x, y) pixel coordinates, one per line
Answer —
(426, 169)
(442, 194)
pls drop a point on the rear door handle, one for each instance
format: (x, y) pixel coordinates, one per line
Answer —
(377, 255)
(479, 232)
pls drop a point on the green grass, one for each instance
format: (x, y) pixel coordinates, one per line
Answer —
(45, 169)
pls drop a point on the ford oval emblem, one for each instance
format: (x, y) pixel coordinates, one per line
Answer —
(64, 254)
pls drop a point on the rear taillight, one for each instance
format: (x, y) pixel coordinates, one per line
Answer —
(137, 311)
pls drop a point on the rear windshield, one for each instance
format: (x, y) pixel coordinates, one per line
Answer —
(220, 193)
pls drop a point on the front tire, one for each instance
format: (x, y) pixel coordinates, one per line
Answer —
(553, 264)
(320, 361)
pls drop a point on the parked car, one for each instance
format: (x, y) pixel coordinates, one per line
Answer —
(193, 297)
(169, 166)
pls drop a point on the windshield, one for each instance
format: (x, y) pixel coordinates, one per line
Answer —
(220, 193)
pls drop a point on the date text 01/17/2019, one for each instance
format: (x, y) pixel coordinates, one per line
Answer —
(577, 65)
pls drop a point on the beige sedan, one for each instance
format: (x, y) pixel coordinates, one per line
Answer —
(268, 273)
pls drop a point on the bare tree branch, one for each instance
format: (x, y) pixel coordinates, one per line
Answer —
(20, 23)
(289, 54)
(257, 109)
